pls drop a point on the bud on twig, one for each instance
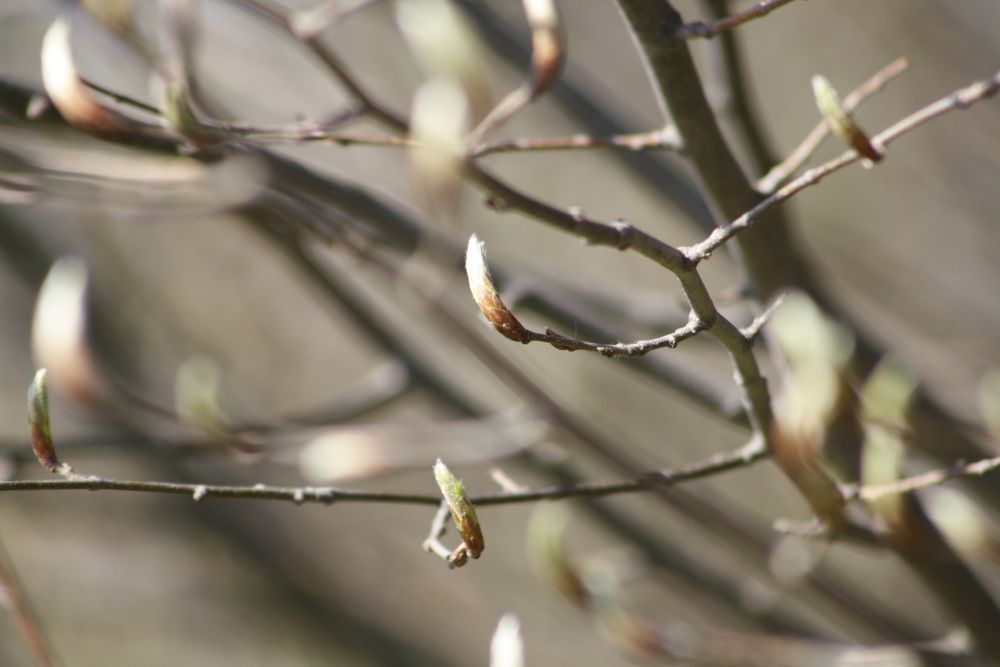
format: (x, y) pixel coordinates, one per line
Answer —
(547, 48)
(38, 419)
(462, 511)
(841, 121)
(68, 92)
(486, 296)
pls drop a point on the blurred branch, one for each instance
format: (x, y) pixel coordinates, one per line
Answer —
(329, 58)
(924, 480)
(960, 99)
(27, 623)
(581, 98)
(309, 22)
(710, 30)
(729, 90)
(664, 139)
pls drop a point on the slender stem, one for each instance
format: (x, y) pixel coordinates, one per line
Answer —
(664, 139)
(713, 28)
(24, 618)
(635, 349)
(745, 456)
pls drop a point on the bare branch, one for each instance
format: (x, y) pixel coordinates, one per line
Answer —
(710, 30)
(752, 330)
(960, 99)
(13, 597)
(329, 58)
(923, 481)
(327, 495)
(664, 139)
(309, 22)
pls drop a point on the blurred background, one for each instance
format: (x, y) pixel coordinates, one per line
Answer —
(223, 350)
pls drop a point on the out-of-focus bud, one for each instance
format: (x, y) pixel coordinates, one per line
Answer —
(841, 121)
(486, 296)
(196, 396)
(549, 557)
(462, 511)
(59, 331)
(70, 95)
(989, 403)
(438, 126)
(886, 398)
(547, 48)
(361, 451)
(507, 647)
(447, 47)
(814, 401)
(38, 420)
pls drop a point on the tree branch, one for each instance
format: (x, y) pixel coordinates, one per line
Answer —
(713, 28)
(805, 150)
(960, 99)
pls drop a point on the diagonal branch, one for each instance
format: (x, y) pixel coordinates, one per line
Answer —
(960, 99)
(805, 150)
(713, 28)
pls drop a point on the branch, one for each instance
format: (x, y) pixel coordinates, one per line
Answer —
(923, 481)
(960, 99)
(12, 597)
(805, 150)
(635, 349)
(327, 495)
(329, 58)
(663, 139)
(309, 22)
(713, 28)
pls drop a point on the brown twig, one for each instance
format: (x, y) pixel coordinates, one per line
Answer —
(634, 349)
(327, 495)
(805, 150)
(960, 99)
(713, 28)
(24, 618)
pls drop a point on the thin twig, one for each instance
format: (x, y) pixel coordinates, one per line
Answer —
(329, 58)
(635, 349)
(805, 150)
(664, 139)
(327, 495)
(24, 618)
(922, 481)
(752, 330)
(713, 28)
(960, 99)
(309, 22)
